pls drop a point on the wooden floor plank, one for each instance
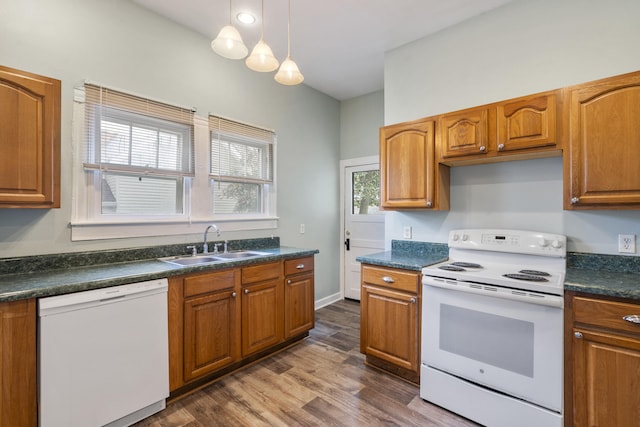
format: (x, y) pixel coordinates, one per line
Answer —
(322, 381)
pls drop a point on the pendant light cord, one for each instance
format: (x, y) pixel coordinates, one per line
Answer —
(289, 32)
(262, 29)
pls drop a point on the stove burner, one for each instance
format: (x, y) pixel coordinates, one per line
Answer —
(535, 273)
(451, 268)
(466, 264)
(525, 277)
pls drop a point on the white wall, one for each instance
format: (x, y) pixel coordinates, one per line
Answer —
(122, 45)
(360, 121)
(521, 48)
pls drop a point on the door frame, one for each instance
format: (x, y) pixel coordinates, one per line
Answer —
(358, 161)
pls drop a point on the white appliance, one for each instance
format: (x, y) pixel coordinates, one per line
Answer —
(103, 356)
(492, 321)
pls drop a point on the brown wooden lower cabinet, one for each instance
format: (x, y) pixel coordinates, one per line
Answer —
(222, 320)
(390, 320)
(603, 381)
(18, 373)
(298, 296)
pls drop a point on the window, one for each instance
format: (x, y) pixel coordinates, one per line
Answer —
(148, 168)
(139, 152)
(241, 167)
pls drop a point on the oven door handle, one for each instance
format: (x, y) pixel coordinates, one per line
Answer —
(495, 291)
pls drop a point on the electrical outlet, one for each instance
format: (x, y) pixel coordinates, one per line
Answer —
(627, 243)
(301, 228)
(406, 232)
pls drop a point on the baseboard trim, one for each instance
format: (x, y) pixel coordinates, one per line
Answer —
(328, 300)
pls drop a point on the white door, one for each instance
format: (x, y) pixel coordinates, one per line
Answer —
(363, 231)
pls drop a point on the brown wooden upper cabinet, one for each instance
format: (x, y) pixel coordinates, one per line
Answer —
(601, 168)
(410, 178)
(465, 133)
(520, 128)
(29, 140)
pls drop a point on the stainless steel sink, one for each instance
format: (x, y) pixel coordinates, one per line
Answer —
(238, 254)
(188, 260)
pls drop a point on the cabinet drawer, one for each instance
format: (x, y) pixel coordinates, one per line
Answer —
(210, 282)
(391, 278)
(260, 272)
(298, 265)
(606, 314)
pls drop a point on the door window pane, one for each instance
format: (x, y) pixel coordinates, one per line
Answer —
(365, 192)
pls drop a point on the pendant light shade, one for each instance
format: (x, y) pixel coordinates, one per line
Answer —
(229, 42)
(261, 58)
(289, 74)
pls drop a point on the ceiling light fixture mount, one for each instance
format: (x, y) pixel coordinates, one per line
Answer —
(289, 74)
(229, 42)
(246, 18)
(262, 58)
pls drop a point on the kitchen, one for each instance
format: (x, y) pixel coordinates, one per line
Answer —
(565, 44)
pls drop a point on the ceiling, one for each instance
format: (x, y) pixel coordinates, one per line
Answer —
(338, 45)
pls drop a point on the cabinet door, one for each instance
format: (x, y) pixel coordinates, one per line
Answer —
(298, 304)
(601, 168)
(30, 135)
(526, 123)
(211, 337)
(262, 316)
(18, 391)
(389, 326)
(407, 166)
(467, 133)
(606, 379)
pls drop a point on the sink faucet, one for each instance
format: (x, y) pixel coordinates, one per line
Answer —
(205, 246)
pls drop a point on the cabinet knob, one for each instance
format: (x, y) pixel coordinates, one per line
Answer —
(575, 200)
(233, 295)
(483, 148)
(413, 300)
(289, 282)
(500, 147)
(632, 318)
(578, 335)
(300, 266)
(387, 279)
(429, 204)
(246, 291)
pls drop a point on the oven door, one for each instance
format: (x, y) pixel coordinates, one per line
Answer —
(500, 340)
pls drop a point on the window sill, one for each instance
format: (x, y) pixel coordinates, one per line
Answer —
(86, 230)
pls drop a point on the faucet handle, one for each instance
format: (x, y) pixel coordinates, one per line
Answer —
(226, 247)
(194, 250)
(215, 248)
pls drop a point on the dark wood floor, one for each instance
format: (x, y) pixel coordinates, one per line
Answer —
(320, 382)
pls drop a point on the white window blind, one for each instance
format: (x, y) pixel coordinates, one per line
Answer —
(131, 134)
(240, 153)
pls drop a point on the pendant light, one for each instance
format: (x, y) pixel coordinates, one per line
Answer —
(289, 74)
(229, 42)
(261, 58)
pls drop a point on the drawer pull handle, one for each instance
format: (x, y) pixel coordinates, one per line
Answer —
(413, 300)
(289, 282)
(500, 147)
(578, 335)
(300, 266)
(246, 291)
(233, 295)
(388, 279)
(633, 318)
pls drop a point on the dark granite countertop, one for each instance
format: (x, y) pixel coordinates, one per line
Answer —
(20, 284)
(408, 255)
(596, 274)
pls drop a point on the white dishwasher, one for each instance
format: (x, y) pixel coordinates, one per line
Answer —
(103, 356)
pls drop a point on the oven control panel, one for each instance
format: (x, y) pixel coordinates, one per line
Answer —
(512, 241)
